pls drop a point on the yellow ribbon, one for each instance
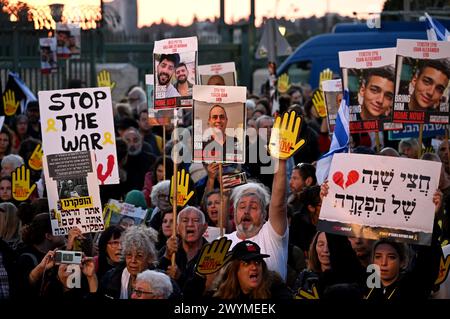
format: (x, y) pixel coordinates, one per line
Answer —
(108, 139)
(51, 126)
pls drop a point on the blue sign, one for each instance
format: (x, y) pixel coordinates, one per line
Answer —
(412, 131)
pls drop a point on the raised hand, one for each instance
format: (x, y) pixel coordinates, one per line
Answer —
(9, 103)
(182, 188)
(283, 140)
(213, 256)
(283, 83)
(35, 161)
(325, 75)
(21, 188)
(319, 103)
(104, 80)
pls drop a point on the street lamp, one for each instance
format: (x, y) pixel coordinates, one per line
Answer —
(57, 11)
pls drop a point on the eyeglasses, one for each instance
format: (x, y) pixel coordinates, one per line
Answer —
(139, 293)
(163, 197)
(114, 243)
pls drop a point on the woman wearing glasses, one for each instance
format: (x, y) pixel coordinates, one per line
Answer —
(109, 250)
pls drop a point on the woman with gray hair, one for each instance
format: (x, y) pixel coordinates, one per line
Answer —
(152, 284)
(139, 254)
(160, 198)
(10, 163)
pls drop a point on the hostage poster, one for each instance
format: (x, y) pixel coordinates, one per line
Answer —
(81, 120)
(380, 197)
(218, 74)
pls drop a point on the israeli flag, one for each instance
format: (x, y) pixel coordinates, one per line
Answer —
(435, 30)
(339, 141)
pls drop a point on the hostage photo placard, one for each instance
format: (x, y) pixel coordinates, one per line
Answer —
(332, 91)
(369, 76)
(380, 197)
(422, 82)
(175, 72)
(218, 74)
(81, 120)
(73, 192)
(219, 124)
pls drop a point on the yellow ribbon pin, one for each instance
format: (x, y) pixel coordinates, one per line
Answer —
(108, 139)
(51, 126)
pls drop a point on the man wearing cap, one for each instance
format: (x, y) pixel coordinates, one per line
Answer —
(166, 67)
(250, 206)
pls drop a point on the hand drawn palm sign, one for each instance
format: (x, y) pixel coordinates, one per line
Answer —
(35, 161)
(319, 103)
(104, 80)
(283, 139)
(182, 188)
(213, 256)
(9, 103)
(21, 188)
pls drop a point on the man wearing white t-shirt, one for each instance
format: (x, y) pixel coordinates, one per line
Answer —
(250, 211)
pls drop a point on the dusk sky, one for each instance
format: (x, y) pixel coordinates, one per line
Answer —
(182, 11)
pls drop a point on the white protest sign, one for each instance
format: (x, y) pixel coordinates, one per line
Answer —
(218, 74)
(81, 120)
(380, 197)
(73, 192)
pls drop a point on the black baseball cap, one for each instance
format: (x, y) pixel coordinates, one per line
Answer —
(247, 250)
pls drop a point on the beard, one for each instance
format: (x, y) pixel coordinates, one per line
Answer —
(182, 79)
(134, 149)
(161, 81)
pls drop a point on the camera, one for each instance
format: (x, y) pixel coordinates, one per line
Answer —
(67, 257)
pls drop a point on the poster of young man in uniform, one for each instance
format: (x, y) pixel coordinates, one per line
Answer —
(123, 214)
(422, 82)
(73, 192)
(369, 76)
(218, 74)
(332, 91)
(81, 120)
(48, 55)
(219, 124)
(175, 72)
(381, 197)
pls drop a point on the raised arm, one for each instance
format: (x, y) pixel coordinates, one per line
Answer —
(277, 208)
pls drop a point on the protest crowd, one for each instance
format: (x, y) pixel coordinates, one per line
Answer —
(272, 216)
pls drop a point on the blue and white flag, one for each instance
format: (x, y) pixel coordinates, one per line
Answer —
(339, 141)
(435, 30)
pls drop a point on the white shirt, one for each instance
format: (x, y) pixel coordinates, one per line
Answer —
(271, 244)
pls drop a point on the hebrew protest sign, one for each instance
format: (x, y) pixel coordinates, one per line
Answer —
(175, 65)
(412, 131)
(123, 214)
(380, 197)
(369, 76)
(219, 124)
(218, 74)
(422, 82)
(73, 192)
(81, 120)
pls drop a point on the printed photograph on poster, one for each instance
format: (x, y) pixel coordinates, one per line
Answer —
(369, 75)
(81, 120)
(332, 91)
(156, 117)
(413, 130)
(377, 197)
(219, 124)
(73, 192)
(48, 55)
(422, 82)
(68, 40)
(175, 65)
(123, 214)
(218, 74)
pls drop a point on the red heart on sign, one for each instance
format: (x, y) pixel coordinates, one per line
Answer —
(338, 179)
(352, 178)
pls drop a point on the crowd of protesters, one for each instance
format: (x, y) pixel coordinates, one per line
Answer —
(271, 221)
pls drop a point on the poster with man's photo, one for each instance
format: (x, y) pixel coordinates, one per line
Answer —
(218, 74)
(73, 192)
(48, 55)
(175, 72)
(123, 214)
(155, 118)
(422, 82)
(332, 91)
(219, 124)
(81, 120)
(369, 76)
(68, 39)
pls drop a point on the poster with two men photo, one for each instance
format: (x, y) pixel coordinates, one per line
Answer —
(175, 72)
(422, 82)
